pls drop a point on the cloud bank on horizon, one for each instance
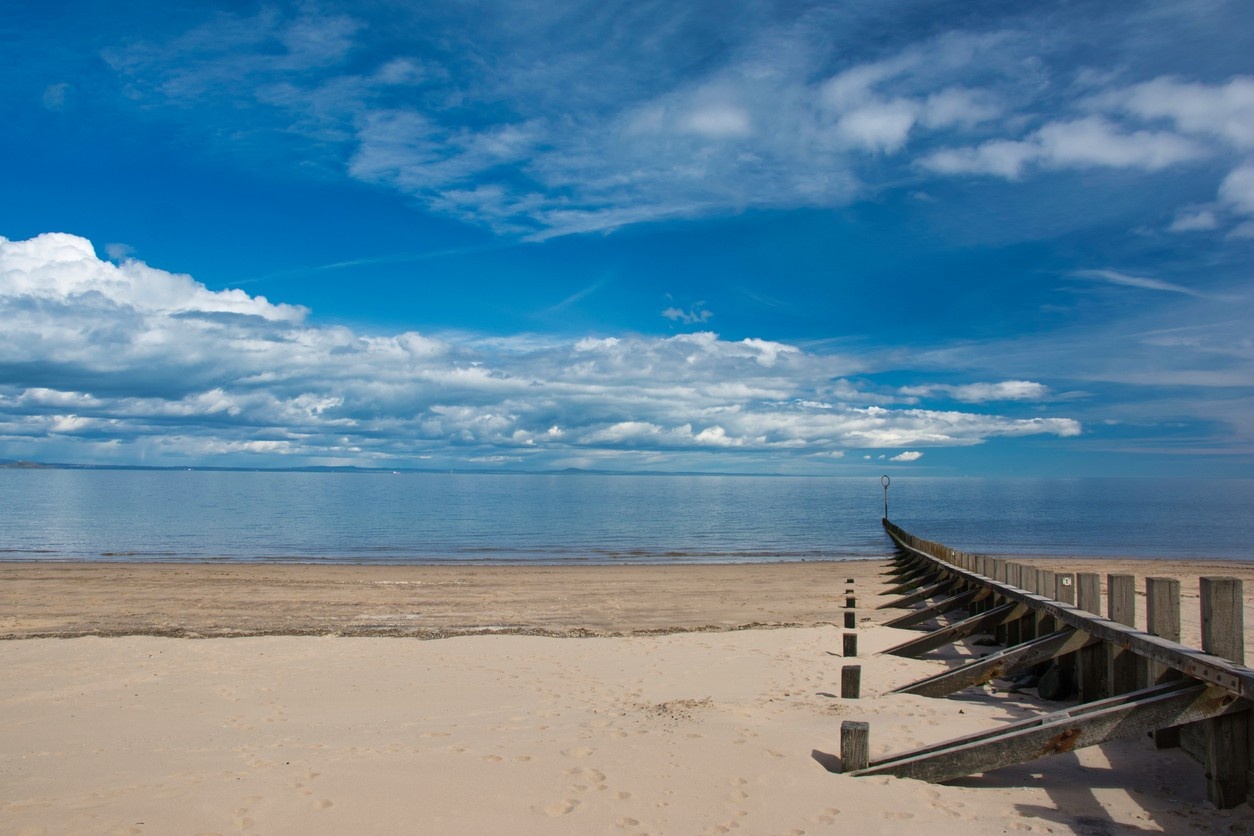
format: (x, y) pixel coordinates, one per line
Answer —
(118, 362)
(745, 236)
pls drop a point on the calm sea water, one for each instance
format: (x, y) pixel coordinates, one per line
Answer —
(472, 518)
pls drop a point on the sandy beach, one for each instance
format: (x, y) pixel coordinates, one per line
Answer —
(621, 699)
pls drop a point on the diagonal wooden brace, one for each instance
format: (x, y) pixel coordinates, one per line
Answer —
(913, 582)
(1000, 664)
(981, 623)
(953, 602)
(921, 595)
(1128, 715)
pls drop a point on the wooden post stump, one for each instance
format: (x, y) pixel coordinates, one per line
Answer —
(855, 745)
(850, 645)
(850, 682)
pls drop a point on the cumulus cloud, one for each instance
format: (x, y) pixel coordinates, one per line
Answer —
(126, 361)
(694, 316)
(1082, 143)
(907, 456)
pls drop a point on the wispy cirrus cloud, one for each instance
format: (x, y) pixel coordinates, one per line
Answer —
(106, 361)
(1118, 278)
(666, 113)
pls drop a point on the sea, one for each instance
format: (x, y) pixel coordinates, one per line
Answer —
(495, 518)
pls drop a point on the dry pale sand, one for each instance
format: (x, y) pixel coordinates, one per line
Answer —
(706, 729)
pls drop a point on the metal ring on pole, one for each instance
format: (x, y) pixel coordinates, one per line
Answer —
(884, 480)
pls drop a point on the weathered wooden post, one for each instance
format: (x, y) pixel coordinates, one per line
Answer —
(1064, 591)
(1027, 624)
(1094, 672)
(855, 745)
(1162, 611)
(850, 645)
(850, 682)
(1127, 670)
(1045, 623)
(1226, 740)
(851, 619)
(1007, 634)
(1064, 587)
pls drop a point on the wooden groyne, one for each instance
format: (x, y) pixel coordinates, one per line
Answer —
(1126, 681)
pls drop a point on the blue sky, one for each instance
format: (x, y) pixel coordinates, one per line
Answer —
(817, 238)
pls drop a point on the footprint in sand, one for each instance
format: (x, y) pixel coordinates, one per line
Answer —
(560, 808)
(828, 815)
(324, 804)
(493, 758)
(579, 753)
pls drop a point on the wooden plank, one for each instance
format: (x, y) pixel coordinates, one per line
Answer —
(1191, 662)
(1130, 715)
(1000, 664)
(981, 623)
(953, 602)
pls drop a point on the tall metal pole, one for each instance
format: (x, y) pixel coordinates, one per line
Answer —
(884, 480)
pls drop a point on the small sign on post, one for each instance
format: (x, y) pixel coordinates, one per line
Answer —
(884, 480)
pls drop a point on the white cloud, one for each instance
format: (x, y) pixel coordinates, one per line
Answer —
(1194, 220)
(1095, 141)
(907, 456)
(1005, 390)
(55, 96)
(696, 316)
(1081, 143)
(1118, 278)
(718, 121)
(1224, 111)
(64, 268)
(108, 358)
(1237, 189)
